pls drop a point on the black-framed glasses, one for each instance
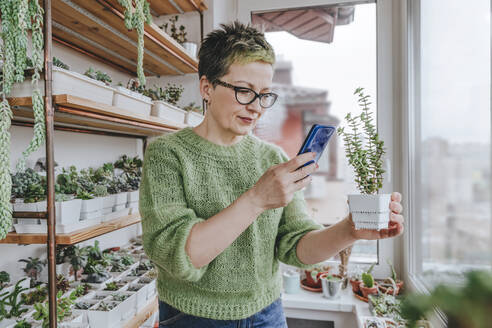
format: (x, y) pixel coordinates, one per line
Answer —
(246, 96)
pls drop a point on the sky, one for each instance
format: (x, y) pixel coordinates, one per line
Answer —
(455, 67)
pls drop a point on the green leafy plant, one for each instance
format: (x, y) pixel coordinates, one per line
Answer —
(111, 286)
(98, 75)
(83, 305)
(171, 93)
(192, 107)
(35, 193)
(177, 33)
(58, 63)
(78, 259)
(387, 306)
(22, 324)
(15, 301)
(106, 306)
(120, 297)
(63, 309)
(36, 296)
(128, 164)
(4, 279)
(100, 191)
(137, 13)
(136, 86)
(95, 273)
(364, 151)
(34, 266)
(62, 283)
(68, 180)
(22, 180)
(82, 290)
(465, 305)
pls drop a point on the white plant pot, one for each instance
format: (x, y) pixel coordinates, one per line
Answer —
(370, 211)
(68, 212)
(121, 198)
(193, 118)
(20, 206)
(167, 111)
(190, 48)
(91, 205)
(64, 269)
(132, 101)
(68, 82)
(128, 307)
(104, 319)
(141, 295)
(107, 204)
(133, 196)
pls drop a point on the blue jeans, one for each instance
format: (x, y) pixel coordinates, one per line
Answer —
(271, 316)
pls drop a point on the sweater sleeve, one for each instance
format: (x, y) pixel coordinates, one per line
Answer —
(294, 224)
(166, 219)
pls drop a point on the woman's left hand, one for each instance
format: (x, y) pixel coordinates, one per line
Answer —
(395, 226)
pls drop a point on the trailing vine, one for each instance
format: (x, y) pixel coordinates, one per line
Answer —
(17, 18)
(135, 18)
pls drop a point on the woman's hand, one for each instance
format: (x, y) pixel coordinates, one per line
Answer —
(395, 225)
(277, 185)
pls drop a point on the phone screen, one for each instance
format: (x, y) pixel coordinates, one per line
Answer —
(316, 141)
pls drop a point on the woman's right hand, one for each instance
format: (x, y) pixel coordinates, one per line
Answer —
(277, 185)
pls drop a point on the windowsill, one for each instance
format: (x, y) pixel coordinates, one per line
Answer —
(313, 306)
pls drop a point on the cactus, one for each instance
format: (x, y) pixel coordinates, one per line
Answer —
(393, 272)
(368, 280)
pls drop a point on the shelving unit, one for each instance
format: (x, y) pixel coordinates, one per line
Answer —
(96, 29)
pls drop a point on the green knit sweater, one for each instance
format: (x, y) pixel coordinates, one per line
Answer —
(187, 179)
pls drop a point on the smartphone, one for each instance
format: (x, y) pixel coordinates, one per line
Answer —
(316, 141)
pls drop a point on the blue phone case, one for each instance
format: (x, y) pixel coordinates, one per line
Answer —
(316, 141)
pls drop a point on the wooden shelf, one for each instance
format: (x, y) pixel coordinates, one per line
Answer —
(96, 27)
(143, 315)
(76, 236)
(167, 7)
(72, 111)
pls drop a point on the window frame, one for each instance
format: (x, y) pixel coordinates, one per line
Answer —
(385, 60)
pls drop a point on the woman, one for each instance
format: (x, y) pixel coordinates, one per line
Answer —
(221, 208)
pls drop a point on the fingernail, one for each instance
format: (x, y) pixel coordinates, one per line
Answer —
(317, 166)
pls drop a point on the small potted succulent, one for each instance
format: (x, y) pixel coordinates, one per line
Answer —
(98, 76)
(4, 279)
(387, 285)
(104, 314)
(364, 150)
(331, 284)
(133, 98)
(179, 34)
(164, 103)
(312, 275)
(91, 205)
(78, 259)
(368, 286)
(33, 268)
(193, 114)
(103, 177)
(24, 184)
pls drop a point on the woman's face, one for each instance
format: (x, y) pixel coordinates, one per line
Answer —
(225, 111)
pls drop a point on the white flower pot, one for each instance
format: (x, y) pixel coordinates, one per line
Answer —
(128, 307)
(132, 101)
(370, 211)
(133, 196)
(121, 199)
(68, 82)
(91, 208)
(104, 319)
(68, 212)
(141, 295)
(190, 48)
(20, 206)
(193, 118)
(107, 204)
(167, 111)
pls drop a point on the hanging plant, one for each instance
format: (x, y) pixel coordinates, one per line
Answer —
(135, 18)
(17, 18)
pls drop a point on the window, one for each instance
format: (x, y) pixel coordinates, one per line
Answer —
(450, 137)
(323, 54)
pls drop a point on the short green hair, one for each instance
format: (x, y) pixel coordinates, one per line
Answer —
(232, 43)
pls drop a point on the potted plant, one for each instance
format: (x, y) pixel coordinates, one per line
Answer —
(96, 274)
(312, 275)
(104, 314)
(193, 114)
(132, 98)
(368, 285)
(466, 304)
(59, 63)
(12, 303)
(364, 151)
(34, 266)
(91, 205)
(387, 286)
(78, 260)
(103, 177)
(132, 171)
(28, 190)
(23, 324)
(91, 85)
(356, 279)
(331, 284)
(4, 279)
(98, 76)
(63, 309)
(164, 103)
(39, 294)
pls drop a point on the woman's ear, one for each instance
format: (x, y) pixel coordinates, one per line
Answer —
(206, 88)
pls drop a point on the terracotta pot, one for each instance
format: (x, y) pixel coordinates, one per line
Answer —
(355, 285)
(389, 290)
(368, 291)
(309, 280)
